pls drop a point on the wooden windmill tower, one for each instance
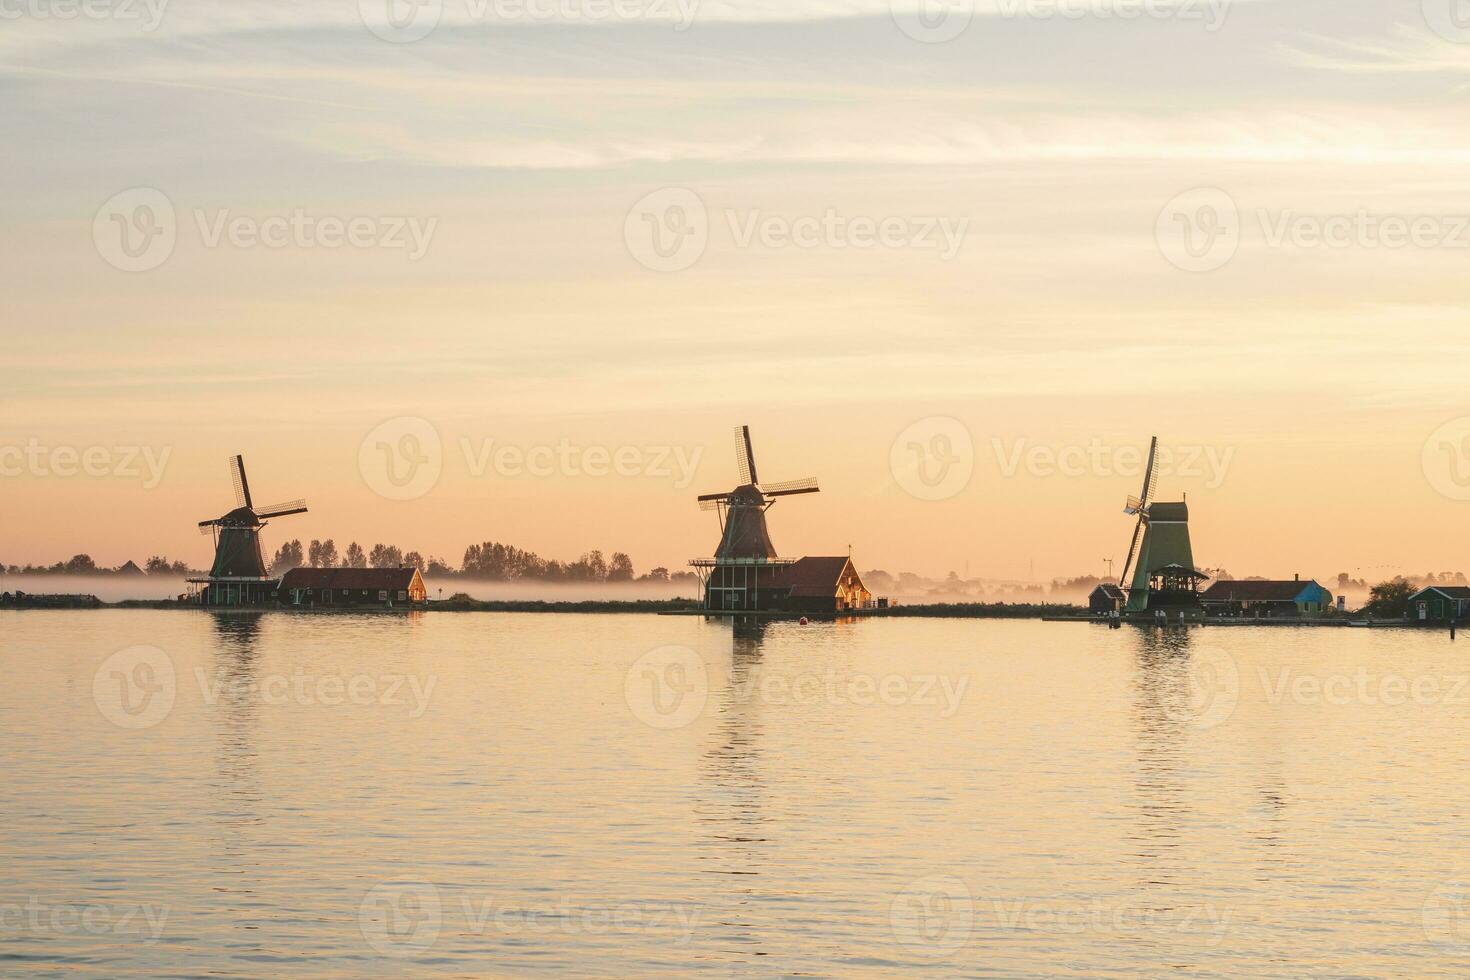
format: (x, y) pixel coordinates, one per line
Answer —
(745, 560)
(238, 576)
(1164, 576)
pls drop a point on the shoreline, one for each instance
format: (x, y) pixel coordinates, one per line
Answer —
(691, 607)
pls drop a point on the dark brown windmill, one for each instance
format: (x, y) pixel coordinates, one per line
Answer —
(237, 554)
(743, 534)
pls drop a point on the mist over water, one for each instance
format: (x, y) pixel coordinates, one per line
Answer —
(122, 588)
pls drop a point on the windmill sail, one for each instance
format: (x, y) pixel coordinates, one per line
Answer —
(744, 535)
(237, 550)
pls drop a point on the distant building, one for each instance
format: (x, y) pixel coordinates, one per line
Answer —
(1261, 599)
(1440, 602)
(820, 585)
(339, 587)
(1106, 599)
(131, 569)
(809, 585)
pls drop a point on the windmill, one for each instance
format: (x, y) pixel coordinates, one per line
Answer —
(1164, 574)
(237, 553)
(743, 534)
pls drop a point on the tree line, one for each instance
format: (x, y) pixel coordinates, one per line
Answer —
(489, 561)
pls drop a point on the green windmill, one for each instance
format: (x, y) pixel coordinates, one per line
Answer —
(1164, 576)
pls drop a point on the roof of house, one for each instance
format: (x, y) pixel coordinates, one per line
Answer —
(1110, 590)
(813, 576)
(372, 579)
(131, 568)
(1449, 591)
(1255, 590)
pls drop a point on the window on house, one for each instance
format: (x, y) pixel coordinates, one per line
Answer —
(382, 595)
(402, 595)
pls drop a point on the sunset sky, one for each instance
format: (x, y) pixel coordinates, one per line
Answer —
(526, 148)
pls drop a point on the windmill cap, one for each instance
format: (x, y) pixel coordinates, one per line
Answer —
(1168, 512)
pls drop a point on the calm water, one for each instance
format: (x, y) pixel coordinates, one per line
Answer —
(192, 795)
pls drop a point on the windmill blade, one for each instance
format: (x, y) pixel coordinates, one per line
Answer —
(282, 510)
(792, 493)
(808, 485)
(743, 462)
(1132, 550)
(710, 504)
(206, 528)
(715, 496)
(1150, 475)
(242, 485)
(750, 455)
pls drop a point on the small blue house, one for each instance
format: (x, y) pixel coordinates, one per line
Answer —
(1262, 599)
